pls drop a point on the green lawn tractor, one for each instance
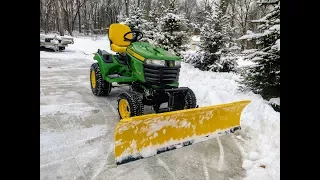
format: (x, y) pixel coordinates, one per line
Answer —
(153, 76)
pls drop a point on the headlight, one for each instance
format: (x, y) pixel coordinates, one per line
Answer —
(156, 62)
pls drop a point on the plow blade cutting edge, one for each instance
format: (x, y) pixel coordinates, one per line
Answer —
(148, 135)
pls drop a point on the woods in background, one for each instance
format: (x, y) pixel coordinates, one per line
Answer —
(95, 16)
(224, 27)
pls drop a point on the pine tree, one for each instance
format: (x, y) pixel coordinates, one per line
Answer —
(152, 23)
(172, 32)
(264, 77)
(215, 37)
(136, 19)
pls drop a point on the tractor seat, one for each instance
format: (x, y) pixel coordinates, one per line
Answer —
(120, 49)
(116, 33)
(106, 57)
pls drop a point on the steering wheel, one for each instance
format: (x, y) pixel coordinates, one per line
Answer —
(137, 35)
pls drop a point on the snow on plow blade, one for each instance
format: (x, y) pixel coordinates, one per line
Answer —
(148, 135)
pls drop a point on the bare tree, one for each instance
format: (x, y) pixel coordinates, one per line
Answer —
(243, 10)
(148, 7)
(127, 7)
(59, 18)
(71, 15)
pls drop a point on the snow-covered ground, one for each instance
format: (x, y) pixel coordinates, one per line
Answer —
(77, 128)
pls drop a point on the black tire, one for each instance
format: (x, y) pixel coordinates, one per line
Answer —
(187, 101)
(136, 106)
(101, 87)
(190, 99)
(156, 107)
(61, 48)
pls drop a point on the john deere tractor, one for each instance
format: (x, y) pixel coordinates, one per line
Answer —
(151, 72)
(153, 76)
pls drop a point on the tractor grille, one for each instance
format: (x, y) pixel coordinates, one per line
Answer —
(159, 75)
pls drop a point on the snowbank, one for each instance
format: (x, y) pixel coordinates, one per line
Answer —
(275, 101)
(260, 134)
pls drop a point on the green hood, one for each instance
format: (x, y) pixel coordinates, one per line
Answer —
(149, 51)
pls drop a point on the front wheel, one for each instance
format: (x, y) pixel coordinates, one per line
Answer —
(129, 105)
(190, 100)
(186, 101)
(99, 86)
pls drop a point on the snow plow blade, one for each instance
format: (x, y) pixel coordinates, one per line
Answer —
(147, 135)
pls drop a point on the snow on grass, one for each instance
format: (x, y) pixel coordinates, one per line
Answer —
(260, 123)
(244, 63)
(250, 35)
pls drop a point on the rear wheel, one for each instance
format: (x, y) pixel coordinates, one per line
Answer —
(129, 105)
(99, 86)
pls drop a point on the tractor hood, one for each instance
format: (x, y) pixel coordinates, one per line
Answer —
(149, 51)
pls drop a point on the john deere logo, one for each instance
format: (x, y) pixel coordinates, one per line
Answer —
(171, 64)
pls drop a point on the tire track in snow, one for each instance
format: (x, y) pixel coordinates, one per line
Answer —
(70, 148)
(56, 162)
(73, 144)
(108, 103)
(105, 116)
(94, 101)
(205, 168)
(221, 156)
(103, 164)
(66, 104)
(163, 164)
(241, 149)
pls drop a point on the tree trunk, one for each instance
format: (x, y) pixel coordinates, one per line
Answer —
(66, 16)
(127, 7)
(138, 3)
(40, 14)
(166, 3)
(47, 19)
(85, 17)
(71, 16)
(148, 8)
(95, 17)
(79, 16)
(59, 18)
(223, 6)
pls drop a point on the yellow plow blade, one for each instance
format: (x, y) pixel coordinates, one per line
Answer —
(148, 135)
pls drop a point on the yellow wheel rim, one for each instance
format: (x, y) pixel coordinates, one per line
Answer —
(124, 109)
(93, 79)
